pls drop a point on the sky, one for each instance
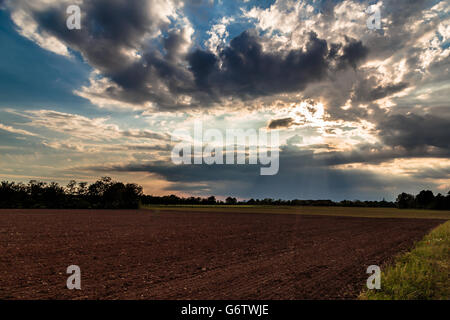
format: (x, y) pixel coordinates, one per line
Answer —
(361, 113)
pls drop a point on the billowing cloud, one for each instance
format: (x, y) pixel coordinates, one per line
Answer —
(281, 123)
(413, 131)
(247, 71)
(150, 59)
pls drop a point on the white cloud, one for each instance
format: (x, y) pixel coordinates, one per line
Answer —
(28, 28)
(218, 34)
(17, 131)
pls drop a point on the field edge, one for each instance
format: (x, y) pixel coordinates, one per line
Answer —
(420, 274)
(359, 212)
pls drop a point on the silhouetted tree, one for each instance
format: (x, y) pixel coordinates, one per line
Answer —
(424, 199)
(104, 193)
(211, 200)
(108, 194)
(405, 200)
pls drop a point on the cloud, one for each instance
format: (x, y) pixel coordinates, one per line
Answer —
(296, 139)
(413, 131)
(17, 131)
(281, 123)
(27, 26)
(72, 125)
(248, 71)
(368, 90)
(83, 128)
(301, 175)
(144, 134)
(144, 54)
(434, 173)
(353, 53)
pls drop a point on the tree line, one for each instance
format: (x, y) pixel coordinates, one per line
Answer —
(175, 200)
(109, 194)
(102, 194)
(424, 200)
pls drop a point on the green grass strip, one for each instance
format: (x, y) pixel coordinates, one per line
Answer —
(422, 274)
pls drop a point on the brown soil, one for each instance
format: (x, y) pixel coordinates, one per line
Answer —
(169, 255)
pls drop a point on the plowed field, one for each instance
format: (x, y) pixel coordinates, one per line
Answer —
(142, 254)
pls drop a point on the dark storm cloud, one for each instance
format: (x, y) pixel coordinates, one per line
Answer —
(364, 153)
(108, 27)
(302, 172)
(111, 30)
(354, 53)
(202, 64)
(173, 44)
(376, 154)
(381, 92)
(281, 123)
(433, 173)
(367, 90)
(413, 131)
(165, 72)
(301, 175)
(248, 71)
